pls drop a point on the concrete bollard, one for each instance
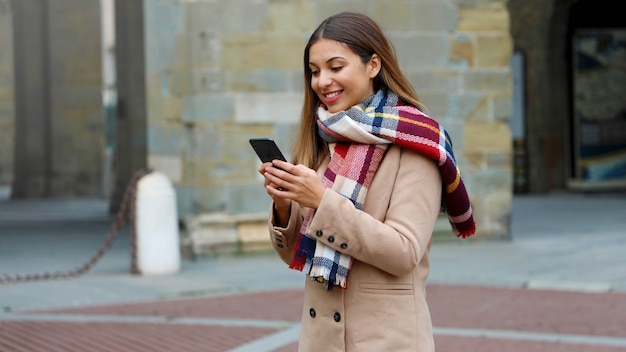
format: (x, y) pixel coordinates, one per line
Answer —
(156, 217)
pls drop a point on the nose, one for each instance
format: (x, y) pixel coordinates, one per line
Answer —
(324, 80)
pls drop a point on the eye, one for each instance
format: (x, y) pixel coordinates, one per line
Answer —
(315, 73)
(336, 68)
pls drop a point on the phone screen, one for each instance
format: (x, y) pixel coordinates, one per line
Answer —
(266, 149)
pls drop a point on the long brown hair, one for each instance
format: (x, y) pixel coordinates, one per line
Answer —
(364, 37)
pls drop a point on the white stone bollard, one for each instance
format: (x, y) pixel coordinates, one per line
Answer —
(156, 220)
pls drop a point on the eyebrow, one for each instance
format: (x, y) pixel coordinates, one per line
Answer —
(329, 60)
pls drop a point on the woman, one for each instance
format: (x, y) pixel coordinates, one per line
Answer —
(356, 207)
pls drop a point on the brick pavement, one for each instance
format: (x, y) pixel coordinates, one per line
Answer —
(574, 242)
(466, 319)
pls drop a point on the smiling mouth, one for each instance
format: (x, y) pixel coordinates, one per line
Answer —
(332, 96)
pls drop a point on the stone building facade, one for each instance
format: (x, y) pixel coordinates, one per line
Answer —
(197, 79)
(219, 73)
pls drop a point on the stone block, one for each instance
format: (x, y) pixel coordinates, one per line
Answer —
(208, 107)
(502, 106)
(207, 80)
(455, 128)
(169, 82)
(164, 110)
(396, 16)
(410, 51)
(185, 196)
(267, 80)
(217, 233)
(211, 198)
(253, 233)
(483, 19)
(476, 159)
(296, 81)
(409, 15)
(166, 52)
(244, 16)
(204, 15)
(205, 49)
(291, 16)
(326, 8)
(435, 16)
(499, 214)
(170, 166)
(463, 51)
(268, 107)
(464, 105)
(209, 234)
(493, 50)
(436, 81)
(204, 142)
(481, 110)
(493, 80)
(483, 136)
(486, 181)
(498, 160)
(262, 51)
(165, 17)
(436, 103)
(250, 198)
(165, 139)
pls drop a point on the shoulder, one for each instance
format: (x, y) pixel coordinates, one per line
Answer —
(400, 163)
(409, 158)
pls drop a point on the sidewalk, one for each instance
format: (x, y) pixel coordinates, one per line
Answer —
(565, 248)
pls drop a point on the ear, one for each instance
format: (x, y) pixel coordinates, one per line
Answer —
(374, 65)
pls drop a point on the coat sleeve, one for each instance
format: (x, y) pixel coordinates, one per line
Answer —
(285, 239)
(396, 238)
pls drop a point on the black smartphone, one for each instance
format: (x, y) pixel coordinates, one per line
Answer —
(266, 149)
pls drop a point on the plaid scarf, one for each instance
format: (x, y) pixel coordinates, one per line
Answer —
(358, 139)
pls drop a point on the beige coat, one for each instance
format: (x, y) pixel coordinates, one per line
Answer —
(384, 306)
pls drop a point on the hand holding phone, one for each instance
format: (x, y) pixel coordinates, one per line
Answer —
(266, 149)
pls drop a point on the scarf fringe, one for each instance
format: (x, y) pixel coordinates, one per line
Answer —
(465, 233)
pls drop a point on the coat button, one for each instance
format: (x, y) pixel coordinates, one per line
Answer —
(337, 317)
(280, 245)
(312, 312)
(331, 239)
(344, 245)
(319, 233)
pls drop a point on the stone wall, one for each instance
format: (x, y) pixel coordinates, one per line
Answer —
(221, 72)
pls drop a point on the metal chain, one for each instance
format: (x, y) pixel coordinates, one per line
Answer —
(126, 210)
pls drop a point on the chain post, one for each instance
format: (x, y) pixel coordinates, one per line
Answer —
(126, 211)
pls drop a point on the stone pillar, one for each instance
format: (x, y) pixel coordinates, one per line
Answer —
(59, 139)
(7, 115)
(32, 100)
(130, 152)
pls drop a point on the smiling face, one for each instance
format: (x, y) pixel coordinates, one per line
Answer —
(338, 75)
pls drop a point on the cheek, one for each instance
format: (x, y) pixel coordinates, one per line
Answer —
(313, 83)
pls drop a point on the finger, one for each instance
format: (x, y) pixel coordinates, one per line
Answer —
(263, 167)
(274, 181)
(283, 165)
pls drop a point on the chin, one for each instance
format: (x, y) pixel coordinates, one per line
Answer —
(335, 109)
